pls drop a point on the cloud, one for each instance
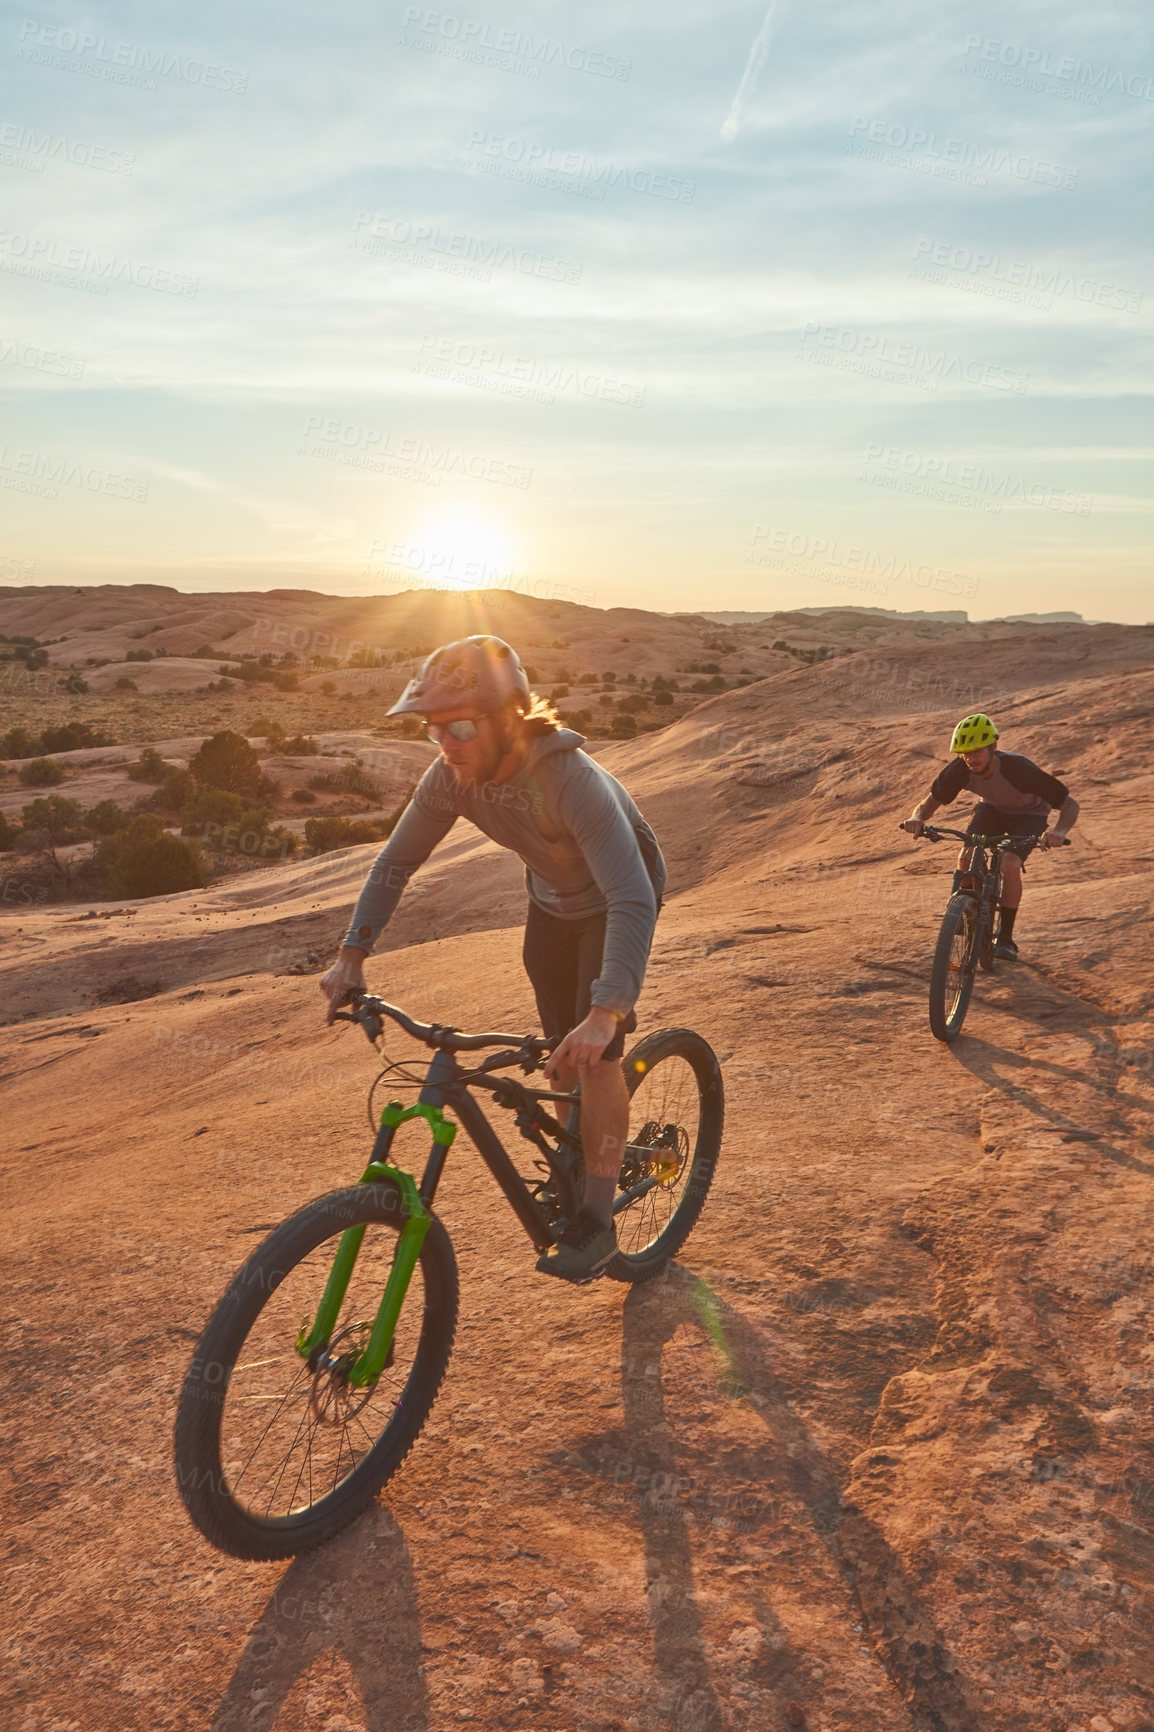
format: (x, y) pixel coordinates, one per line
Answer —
(731, 126)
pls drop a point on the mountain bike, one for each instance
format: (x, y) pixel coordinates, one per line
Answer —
(970, 926)
(323, 1358)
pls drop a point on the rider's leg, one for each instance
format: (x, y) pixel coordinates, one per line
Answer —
(1010, 898)
(604, 1132)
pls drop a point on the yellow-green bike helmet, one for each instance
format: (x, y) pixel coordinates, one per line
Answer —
(972, 733)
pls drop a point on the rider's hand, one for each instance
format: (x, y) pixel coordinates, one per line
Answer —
(346, 975)
(915, 826)
(1050, 839)
(584, 1044)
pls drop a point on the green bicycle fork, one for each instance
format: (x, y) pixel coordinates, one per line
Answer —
(369, 1364)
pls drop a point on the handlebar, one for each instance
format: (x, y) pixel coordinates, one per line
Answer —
(370, 1012)
(933, 833)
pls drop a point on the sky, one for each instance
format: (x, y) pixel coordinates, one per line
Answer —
(685, 306)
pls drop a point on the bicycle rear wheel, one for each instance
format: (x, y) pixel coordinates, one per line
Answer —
(276, 1453)
(952, 974)
(676, 1114)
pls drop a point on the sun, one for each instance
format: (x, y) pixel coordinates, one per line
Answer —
(458, 548)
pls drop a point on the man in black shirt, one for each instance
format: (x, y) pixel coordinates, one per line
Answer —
(1015, 798)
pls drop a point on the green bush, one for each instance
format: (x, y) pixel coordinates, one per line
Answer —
(149, 767)
(624, 726)
(41, 773)
(143, 859)
(304, 797)
(124, 684)
(54, 820)
(7, 835)
(663, 697)
(228, 761)
(349, 779)
(106, 817)
(324, 834)
(18, 743)
(177, 789)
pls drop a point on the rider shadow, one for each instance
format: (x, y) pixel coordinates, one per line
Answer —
(795, 1482)
(355, 1599)
(987, 1062)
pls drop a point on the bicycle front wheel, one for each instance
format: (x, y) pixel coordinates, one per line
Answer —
(276, 1452)
(952, 974)
(676, 1114)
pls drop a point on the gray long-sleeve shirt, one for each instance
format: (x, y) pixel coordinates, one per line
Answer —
(586, 848)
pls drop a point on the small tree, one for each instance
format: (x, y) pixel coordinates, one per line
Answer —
(149, 767)
(106, 817)
(7, 835)
(41, 773)
(228, 761)
(143, 859)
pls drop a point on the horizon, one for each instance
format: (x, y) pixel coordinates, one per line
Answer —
(732, 306)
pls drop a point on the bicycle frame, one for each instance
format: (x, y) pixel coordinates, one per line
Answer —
(446, 1084)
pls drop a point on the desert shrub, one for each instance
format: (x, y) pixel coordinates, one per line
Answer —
(75, 686)
(139, 656)
(631, 704)
(7, 835)
(149, 767)
(18, 743)
(228, 761)
(143, 859)
(349, 779)
(662, 697)
(300, 746)
(324, 834)
(558, 692)
(210, 806)
(624, 726)
(304, 797)
(41, 773)
(581, 720)
(177, 789)
(328, 688)
(715, 684)
(106, 817)
(52, 820)
(124, 684)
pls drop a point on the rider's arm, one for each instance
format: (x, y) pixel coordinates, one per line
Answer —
(1067, 816)
(927, 809)
(602, 830)
(428, 817)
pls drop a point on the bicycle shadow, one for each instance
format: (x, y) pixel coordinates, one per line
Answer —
(986, 1062)
(799, 1483)
(356, 1598)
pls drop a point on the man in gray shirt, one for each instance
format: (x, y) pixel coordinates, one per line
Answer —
(594, 874)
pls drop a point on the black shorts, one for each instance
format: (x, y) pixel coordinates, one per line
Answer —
(562, 959)
(989, 821)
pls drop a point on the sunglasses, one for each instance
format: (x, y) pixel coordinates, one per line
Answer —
(463, 730)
